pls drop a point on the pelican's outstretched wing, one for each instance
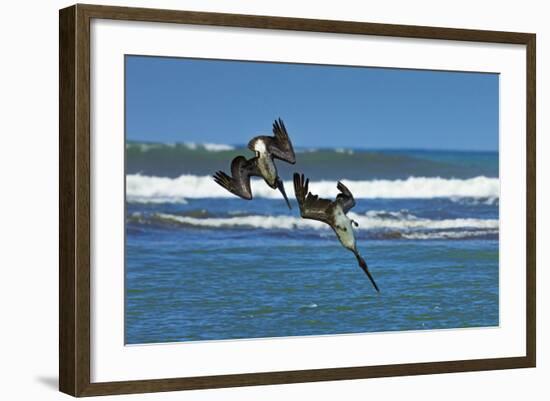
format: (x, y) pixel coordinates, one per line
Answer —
(345, 197)
(281, 147)
(311, 206)
(241, 171)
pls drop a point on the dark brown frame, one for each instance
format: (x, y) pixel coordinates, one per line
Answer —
(74, 199)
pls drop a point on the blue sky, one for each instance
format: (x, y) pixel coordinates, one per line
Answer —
(189, 100)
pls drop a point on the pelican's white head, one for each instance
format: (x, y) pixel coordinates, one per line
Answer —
(259, 146)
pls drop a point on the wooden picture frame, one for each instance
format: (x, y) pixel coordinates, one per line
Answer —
(74, 200)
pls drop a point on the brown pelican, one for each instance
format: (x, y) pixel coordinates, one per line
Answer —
(267, 148)
(332, 213)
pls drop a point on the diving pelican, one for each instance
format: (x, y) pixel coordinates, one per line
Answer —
(267, 148)
(332, 213)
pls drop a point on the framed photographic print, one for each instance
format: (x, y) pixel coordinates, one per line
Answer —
(251, 200)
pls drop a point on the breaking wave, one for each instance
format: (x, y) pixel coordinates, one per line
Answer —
(402, 222)
(209, 147)
(450, 235)
(143, 188)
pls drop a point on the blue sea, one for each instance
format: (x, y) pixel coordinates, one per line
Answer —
(202, 264)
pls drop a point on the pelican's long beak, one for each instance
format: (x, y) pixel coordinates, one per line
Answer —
(281, 187)
(365, 268)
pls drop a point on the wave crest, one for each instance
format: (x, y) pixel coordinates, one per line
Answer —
(155, 189)
(372, 220)
(209, 147)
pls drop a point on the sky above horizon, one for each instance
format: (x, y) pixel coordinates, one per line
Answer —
(229, 102)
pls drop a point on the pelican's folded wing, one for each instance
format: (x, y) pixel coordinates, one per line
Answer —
(239, 182)
(280, 146)
(346, 197)
(311, 206)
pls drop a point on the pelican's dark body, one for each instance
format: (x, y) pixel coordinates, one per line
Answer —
(333, 213)
(267, 148)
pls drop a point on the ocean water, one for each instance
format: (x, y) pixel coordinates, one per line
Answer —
(202, 264)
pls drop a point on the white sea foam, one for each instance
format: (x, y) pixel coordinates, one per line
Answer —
(344, 150)
(210, 147)
(192, 186)
(367, 221)
(448, 234)
(306, 150)
(400, 221)
(145, 147)
(255, 221)
(217, 147)
(490, 201)
(156, 199)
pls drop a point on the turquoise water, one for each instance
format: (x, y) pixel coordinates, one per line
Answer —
(201, 265)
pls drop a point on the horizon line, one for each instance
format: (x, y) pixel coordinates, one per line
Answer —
(244, 146)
